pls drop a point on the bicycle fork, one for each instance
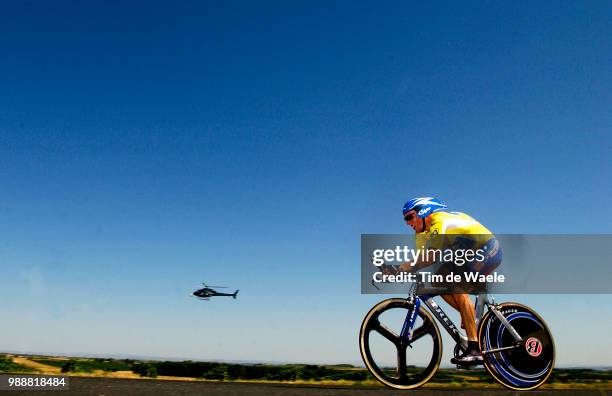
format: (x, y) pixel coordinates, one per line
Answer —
(408, 327)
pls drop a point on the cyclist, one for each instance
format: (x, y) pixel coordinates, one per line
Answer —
(438, 229)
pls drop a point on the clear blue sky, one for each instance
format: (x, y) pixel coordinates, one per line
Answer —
(145, 147)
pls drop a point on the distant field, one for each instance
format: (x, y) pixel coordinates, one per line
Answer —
(341, 374)
(86, 365)
(7, 365)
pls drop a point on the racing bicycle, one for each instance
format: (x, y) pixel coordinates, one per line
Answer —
(401, 344)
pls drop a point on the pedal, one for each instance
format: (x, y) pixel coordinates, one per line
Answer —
(472, 367)
(467, 366)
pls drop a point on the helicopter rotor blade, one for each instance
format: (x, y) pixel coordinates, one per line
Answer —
(221, 287)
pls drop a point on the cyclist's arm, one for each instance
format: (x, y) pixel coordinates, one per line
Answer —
(421, 262)
(427, 244)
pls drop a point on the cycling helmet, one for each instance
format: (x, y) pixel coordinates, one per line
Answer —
(423, 206)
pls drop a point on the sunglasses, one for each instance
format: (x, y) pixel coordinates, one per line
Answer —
(409, 217)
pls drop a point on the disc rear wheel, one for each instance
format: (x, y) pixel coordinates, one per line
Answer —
(526, 364)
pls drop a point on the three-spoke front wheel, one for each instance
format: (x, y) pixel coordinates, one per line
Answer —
(397, 362)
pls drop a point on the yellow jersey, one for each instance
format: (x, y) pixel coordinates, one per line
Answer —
(447, 228)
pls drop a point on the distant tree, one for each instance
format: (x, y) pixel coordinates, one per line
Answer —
(69, 366)
(217, 373)
(312, 372)
(150, 371)
(354, 375)
(233, 372)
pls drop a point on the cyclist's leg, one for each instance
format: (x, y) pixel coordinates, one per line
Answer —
(450, 300)
(493, 257)
(462, 303)
(468, 316)
(492, 260)
(472, 355)
(455, 300)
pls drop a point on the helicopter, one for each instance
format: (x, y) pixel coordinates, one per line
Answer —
(207, 292)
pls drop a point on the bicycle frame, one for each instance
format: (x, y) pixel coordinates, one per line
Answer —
(482, 301)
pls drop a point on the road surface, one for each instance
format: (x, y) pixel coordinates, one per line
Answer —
(113, 386)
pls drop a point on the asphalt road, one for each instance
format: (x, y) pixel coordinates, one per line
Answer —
(110, 386)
